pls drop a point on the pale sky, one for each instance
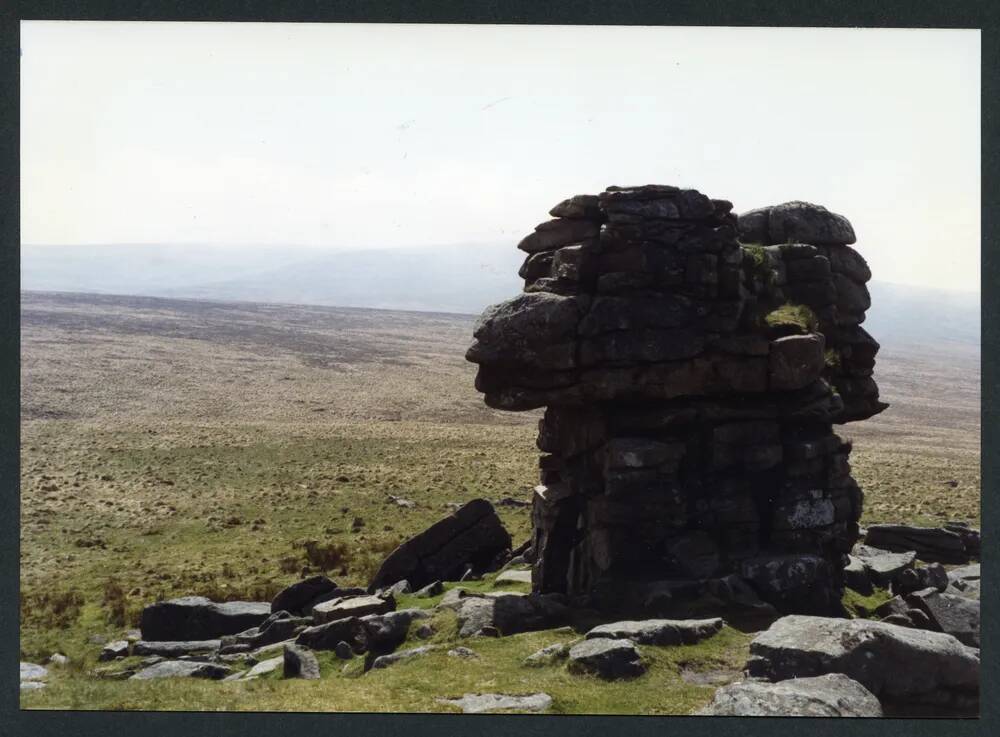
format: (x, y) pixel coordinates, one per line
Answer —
(361, 136)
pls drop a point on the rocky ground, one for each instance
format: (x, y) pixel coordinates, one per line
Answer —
(174, 449)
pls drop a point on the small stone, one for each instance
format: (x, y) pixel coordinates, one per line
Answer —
(463, 652)
(116, 649)
(432, 589)
(299, 662)
(343, 651)
(548, 655)
(58, 659)
(424, 632)
(384, 661)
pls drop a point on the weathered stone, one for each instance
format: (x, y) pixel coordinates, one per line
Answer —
(434, 588)
(559, 232)
(883, 566)
(295, 598)
(511, 576)
(548, 655)
(32, 672)
(830, 695)
(384, 661)
(953, 615)
(182, 669)
(659, 631)
(385, 632)
(508, 614)
(795, 361)
(473, 535)
(197, 618)
(175, 648)
(856, 576)
(463, 652)
(113, 650)
(932, 544)
(582, 206)
(491, 702)
(607, 658)
(355, 606)
(326, 636)
(797, 222)
(898, 665)
(259, 669)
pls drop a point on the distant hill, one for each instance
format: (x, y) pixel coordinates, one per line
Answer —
(450, 278)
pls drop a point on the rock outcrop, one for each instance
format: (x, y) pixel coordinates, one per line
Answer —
(691, 384)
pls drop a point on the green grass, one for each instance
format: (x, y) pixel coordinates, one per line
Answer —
(797, 316)
(863, 607)
(417, 684)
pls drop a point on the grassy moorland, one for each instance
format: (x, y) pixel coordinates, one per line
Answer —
(176, 448)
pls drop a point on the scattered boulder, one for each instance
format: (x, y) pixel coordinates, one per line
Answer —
(298, 662)
(659, 631)
(354, 606)
(472, 535)
(326, 636)
(884, 566)
(914, 579)
(197, 618)
(608, 659)
(432, 589)
(487, 702)
(463, 652)
(508, 614)
(297, 598)
(830, 695)
(513, 576)
(182, 669)
(114, 650)
(385, 632)
(856, 576)
(175, 648)
(32, 676)
(384, 661)
(904, 667)
(932, 544)
(954, 615)
(548, 655)
(260, 669)
(343, 651)
(397, 589)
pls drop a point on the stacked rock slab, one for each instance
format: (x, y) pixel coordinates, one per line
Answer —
(690, 385)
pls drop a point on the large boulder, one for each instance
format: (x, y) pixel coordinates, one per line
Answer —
(932, 544)
(906, 668)
(473, 535)
(508, 614)
(956, 615)
(830, 695)
(197, 618)
(795, 222)
(659, 631)
(385, 632)
(608, 659)
(296, 598)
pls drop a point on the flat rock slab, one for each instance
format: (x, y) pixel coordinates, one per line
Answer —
(487, 702)
(831, 695)
(384, 661)
(32, 685)
(659, 631)
(932, 544)
(113, 650)
(514, 576)
(548, 655)
(182, 669)
(472, 535)
(174, 648)
(355, 606)
(608, 659)
(883, 566)
(197, 618)
(260, 669)
(32, 672)
(895, 663)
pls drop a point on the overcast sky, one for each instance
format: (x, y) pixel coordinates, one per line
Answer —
(344, 136)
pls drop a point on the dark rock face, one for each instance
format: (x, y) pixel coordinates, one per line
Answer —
(507, 614)
(955, 615)
(691, 386)
(832, 695)
(473, 535)
(326, 636)
(908, 669)
(197, 618)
